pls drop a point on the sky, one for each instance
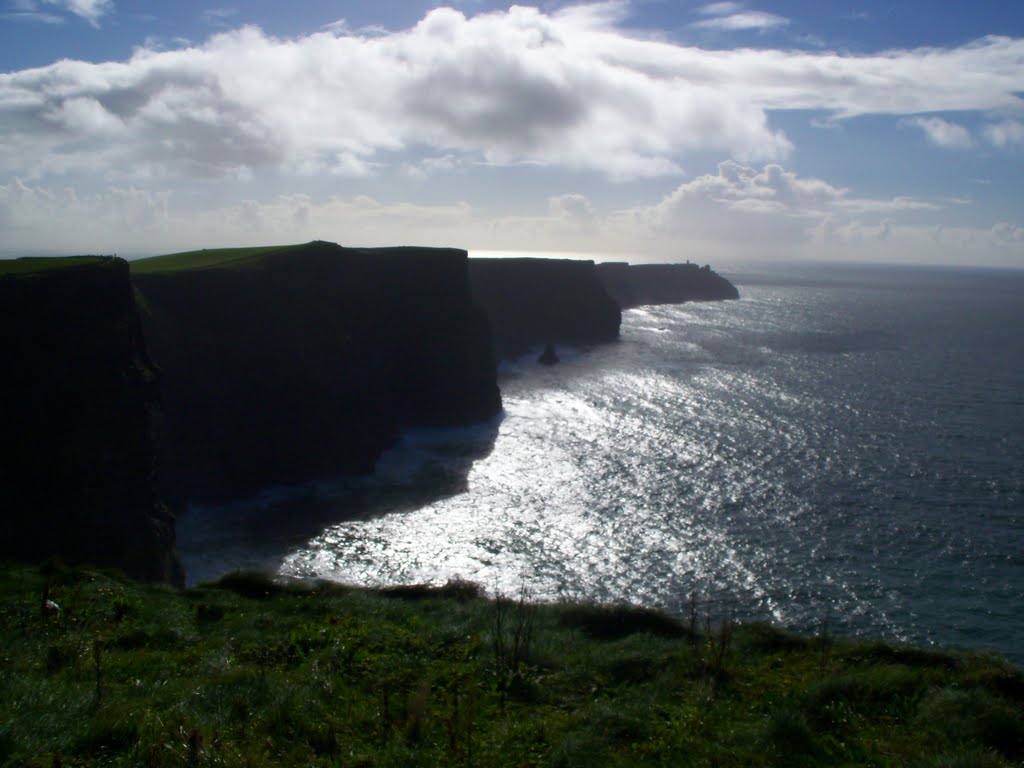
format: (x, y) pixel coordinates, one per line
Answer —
(648, 130)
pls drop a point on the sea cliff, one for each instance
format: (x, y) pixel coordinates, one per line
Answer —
(270, 366)
(79, 393)
(534, 302)
(304, 362)
(633, 285)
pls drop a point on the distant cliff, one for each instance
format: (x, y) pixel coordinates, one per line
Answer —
(632, 285)
(533, 302)
(78, 393)
(305, 362)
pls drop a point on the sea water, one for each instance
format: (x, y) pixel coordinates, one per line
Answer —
(840, 447)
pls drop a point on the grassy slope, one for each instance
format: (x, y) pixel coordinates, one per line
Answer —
(221, 258)
(248, 673)
(31, 264)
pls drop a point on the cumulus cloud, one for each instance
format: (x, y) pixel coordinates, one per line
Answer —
(767, 211)
(744, 204)
(1005, 134)
(571, 89)
(942, 133)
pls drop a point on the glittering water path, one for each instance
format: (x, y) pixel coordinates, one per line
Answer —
(850, 450)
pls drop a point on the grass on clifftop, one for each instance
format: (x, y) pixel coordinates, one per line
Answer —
(32, 264)
(248, 672)
(219, 258)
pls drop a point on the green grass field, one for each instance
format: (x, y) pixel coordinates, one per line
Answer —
(251, 673)
(31, 264)
(214, 258)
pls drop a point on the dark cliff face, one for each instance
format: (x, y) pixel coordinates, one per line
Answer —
(78, 395)
(307, 364)
(632, 285)
(533, 302)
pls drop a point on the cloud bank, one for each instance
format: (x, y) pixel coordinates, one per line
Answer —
(569, 89)
(740, 212)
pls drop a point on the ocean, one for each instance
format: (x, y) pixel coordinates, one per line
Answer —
(841, 448)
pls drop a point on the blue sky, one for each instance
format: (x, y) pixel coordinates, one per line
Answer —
(650, 129)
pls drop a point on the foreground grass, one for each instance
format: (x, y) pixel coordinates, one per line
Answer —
(251, 673)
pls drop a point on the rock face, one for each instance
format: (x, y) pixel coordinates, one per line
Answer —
(78, 394)
(543, 301)
(632, 285)
(306, 363)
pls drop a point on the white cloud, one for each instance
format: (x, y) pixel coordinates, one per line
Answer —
(1005, 134)
(337, 27)
(570, 89)
(431, 166)
(29, 15)
(341, 27)
(943, 133)
(730, 16)
(572, 214)
(769, 211)
(90, 10)
(571, 206)
(743, 204)
(743, 20)
(32, 10)
(720, 9)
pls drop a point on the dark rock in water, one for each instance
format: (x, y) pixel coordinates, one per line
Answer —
(633, 285)
(79, 395)
(548, 356)
(536, 301)
(305, 363)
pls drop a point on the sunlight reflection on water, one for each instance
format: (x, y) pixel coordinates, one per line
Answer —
(792, 477)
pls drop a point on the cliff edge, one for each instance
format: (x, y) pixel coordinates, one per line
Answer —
(533, 302)
(79, 393)
(633, 285)
(281, 365)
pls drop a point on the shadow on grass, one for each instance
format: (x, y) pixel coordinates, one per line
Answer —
(612, 622)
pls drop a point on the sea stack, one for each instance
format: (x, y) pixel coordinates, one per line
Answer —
(549, 356)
